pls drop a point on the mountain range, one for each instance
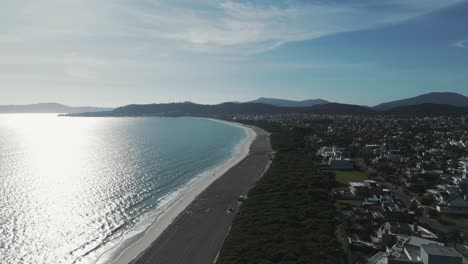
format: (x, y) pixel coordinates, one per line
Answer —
(49, 108)
(289, 103)
(229, 109)
(447, 98)
(427, 109)
(426, 104)
(453, 99)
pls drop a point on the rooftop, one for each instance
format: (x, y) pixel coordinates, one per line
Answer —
(358, 184)
(436, 250)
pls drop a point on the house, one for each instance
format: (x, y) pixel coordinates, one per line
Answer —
(359, 188)
(388, 233)
(370, 150)
(435, 254)
(374, 188)
(458, 205)
(341, 164)
(392, 211)
(334, 160)
(330, 152)
(365, 188)
(338, 163)
(406, 250)
(463, 184)
(464, 167)
(394, 155)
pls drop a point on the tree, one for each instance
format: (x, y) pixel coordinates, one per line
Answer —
(432, 213)
(414, 205)
(427, 200)
(454, 236)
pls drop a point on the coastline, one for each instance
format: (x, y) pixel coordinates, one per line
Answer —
(127, 251)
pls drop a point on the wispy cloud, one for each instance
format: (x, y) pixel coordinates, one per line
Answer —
(461, 44)
(248, 27)
(209, 26)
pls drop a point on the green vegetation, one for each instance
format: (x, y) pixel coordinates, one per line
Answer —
(454, 236)
(344, 243)
(289, 216)
(426, 200)
(458, 223)
(431, 212)
(344, 177)
(341, 204)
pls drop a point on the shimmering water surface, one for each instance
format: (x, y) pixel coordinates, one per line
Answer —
(71, 188)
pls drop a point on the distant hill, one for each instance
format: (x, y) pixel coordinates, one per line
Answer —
(229, 109)
(453, 99)
(428, 110)
(49, 108)
(289, 103)
(340, 109)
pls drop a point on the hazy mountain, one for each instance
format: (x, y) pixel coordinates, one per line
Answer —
(49, 108)
(428, 110)
(229, 109)
(289, 103)
(453, 99)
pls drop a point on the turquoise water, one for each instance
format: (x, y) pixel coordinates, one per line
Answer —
(71, 188)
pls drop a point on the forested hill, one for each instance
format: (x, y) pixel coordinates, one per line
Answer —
(428, 110)
(226, 109)
(49, 108)
(232, 109)
(446, 98)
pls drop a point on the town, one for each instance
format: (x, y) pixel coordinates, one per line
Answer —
(401, 183)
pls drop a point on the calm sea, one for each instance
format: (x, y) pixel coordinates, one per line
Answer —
(71, 188)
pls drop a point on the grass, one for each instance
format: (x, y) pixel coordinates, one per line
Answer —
(344, 177)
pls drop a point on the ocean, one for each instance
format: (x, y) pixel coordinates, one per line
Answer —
(72, 188)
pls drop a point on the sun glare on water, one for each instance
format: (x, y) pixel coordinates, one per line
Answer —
(56, 156)
(73, 189)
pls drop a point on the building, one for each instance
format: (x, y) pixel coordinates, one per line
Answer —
(458, 205)
(435, 254)
(464, 167)
(330, 152)
(366, 188)
(338, 164)
(407, 250)
(388, 233)
(359, 188)
(394, 155)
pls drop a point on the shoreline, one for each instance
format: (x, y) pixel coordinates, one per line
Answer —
(137, 244)
(197, 235)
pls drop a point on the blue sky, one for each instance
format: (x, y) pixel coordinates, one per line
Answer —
(116, 52)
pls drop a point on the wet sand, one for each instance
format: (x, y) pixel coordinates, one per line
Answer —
(197, 234)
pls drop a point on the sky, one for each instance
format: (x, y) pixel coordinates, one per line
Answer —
(117, 52)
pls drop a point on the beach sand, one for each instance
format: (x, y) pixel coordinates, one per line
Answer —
(194, 229)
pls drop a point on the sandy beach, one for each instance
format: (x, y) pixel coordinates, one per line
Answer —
(193, 230)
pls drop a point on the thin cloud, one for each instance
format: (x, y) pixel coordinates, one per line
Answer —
(207, 26)
(249, 28)
(461, 44)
